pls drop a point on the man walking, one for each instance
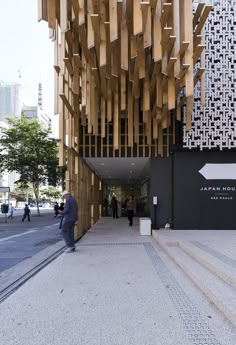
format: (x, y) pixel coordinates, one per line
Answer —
(70, 214)
(56, 209)
(26, 213)
(114, 207)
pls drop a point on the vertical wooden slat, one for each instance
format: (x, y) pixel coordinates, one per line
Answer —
(136, 121)
(155, 128)
(171, 93)
(42, 10)
(81, 12)
(113, 20)
(124, 39)
(123, 90)
(176, 33)
(51, 13)
(103, 117)
(141, 58)
(157, 33)
(137, 17)
(103, 44)
(189, 108)
(147, 37)
(116, 118)
(63, 15)
(146, 94)
(109, 102)
(203, 92)
(90, 32)
(188, 36)
(130, 117)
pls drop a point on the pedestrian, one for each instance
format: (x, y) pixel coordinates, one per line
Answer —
(106, 203)
(56, 209)
(26, 213)
(130, 210)
(70, 214)
(11, 211)
(114, 207)
(61, 208)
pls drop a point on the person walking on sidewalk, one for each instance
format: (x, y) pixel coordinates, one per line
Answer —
(130, 210)
(61, 208)
(70, 214)
(114, 207)
(11, 211)
(26, 213)
(56, 209)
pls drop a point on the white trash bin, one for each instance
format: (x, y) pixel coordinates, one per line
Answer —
(145, 226)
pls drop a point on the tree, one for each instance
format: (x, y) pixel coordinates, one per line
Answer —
(25, 147)
(22, 192)
(51, 193)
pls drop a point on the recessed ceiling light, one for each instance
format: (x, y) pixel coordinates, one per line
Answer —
(102, 163)
(132, 163)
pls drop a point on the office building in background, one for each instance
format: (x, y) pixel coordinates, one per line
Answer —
(10, 100)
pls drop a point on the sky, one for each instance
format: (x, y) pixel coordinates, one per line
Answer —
(26, 52)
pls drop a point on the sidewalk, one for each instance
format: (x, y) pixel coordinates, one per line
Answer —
(118, 288)
(18, 212)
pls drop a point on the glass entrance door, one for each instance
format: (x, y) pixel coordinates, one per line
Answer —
(121, 192)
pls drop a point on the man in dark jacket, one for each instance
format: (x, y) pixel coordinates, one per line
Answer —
(70, 214)
(56, 209)
(114, 207)
(26, 213)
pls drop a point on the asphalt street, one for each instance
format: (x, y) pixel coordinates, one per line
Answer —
(22, 240)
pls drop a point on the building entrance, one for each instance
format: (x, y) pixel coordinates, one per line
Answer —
(121, 191)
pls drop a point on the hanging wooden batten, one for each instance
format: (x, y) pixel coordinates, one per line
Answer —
(124, 70)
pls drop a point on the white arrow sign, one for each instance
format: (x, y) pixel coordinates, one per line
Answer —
(219, 171)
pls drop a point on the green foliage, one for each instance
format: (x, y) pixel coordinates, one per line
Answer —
(51, 193)
(22, 192)
(25, 147)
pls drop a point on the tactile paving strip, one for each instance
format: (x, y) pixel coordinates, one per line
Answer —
(198, 330)
(224, 258)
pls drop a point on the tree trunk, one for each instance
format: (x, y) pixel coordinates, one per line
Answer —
(36, 193)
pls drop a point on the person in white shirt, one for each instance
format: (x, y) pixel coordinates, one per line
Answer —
(11, 211)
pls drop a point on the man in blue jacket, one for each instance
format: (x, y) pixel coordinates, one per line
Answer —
(70, 213)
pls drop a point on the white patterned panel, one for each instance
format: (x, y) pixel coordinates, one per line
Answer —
(214, 125)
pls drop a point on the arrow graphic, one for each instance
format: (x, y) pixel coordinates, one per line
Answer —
(219, 171)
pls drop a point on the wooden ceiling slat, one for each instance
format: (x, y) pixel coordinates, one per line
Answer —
(122, 56)
(63, 16)
(124, 48)
(51, 14)
(137, 17)
(113, 20)
(42, 10)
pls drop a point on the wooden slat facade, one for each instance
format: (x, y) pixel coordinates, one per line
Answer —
(124, 71)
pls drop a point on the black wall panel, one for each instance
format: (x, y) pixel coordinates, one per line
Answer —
(161, 186)
(204, 202)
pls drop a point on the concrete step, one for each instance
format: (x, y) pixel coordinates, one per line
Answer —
(204, 274)
(225, 272)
